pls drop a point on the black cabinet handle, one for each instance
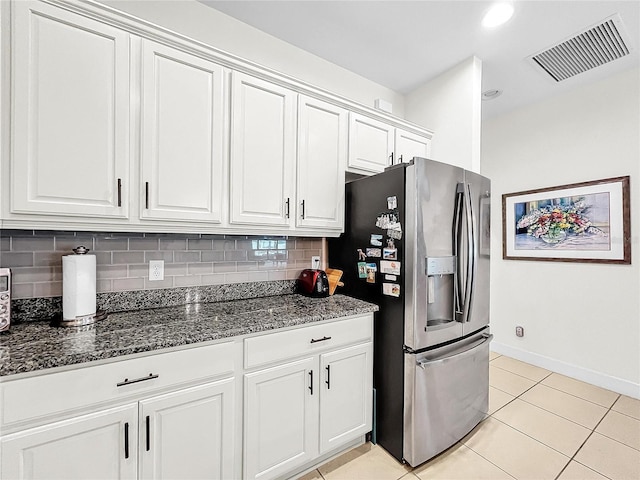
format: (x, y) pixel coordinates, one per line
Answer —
(126, 381)
(286, 208)
(400, 159)
(126, 440)
(147, 432)
(311, 381)
(391, 157)
(302, 215)
(146, 195)
(328, 381)
(323, 339)
(119, 192)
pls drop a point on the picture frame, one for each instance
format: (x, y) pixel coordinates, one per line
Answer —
(579, 222)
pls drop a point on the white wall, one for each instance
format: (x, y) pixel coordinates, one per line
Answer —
(450, 106)
(580, 319)
(210, 26)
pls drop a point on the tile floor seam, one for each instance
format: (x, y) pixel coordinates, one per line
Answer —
(486, 459)
(586, 440)
(539, 441)
(522, 376)
(565, 418)
(582, 398)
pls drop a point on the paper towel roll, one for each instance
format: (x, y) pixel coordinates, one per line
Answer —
(78, 286)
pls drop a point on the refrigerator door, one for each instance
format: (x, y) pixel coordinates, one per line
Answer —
(432, 208)
(478, 213)
(445, 397)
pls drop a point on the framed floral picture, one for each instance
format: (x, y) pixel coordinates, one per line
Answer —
(581, 222)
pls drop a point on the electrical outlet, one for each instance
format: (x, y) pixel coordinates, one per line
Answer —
(156, 270)
(315, 261)
(519, 331)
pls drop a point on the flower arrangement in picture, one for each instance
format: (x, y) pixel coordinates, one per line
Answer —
(552, 223)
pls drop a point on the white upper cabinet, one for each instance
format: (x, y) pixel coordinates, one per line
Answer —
(370, 143)
(322, 160)
(70, 115)
(182, 163)
(409, 145)
(374, 145)
(263, 139)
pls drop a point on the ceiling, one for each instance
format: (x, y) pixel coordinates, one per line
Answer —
(403, 44)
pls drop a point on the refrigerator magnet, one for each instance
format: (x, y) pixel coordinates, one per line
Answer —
(362, 270)
(374, 252)
(391, 278)
(361, 255)
(376, 240)
(390, 253)
(395, 234)
(390, 267)
(392, 203)
(391, 289)
(371, 273)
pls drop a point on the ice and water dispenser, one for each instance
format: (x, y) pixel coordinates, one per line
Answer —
(440, 290)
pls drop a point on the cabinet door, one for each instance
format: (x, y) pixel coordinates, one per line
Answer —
(346, 395)
(189, 434)
(70, 117)
(281, 418)
(96, 446)
(182, 136)
(322, 160)
(409, 145)
(263, 134)
(370, 144)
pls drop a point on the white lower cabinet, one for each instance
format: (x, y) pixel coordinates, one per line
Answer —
(188, 434)
(297, 411)
(281, 414)
(100, 445)
(346, 390)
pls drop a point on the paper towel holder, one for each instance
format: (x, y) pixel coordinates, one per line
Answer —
(82, 320)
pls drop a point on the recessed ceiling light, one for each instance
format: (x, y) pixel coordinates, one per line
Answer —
(498, 14)
(491, 94)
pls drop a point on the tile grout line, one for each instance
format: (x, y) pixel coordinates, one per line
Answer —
(586, 440)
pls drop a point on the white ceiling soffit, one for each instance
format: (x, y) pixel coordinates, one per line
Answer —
(586, 50)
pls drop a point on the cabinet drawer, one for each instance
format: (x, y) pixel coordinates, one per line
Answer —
(48, 394)
(279, 346)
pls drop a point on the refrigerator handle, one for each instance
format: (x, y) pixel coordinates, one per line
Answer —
(458, 289)
(486, 337)
(471, 254)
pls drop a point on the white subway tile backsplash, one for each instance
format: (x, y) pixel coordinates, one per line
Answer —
(35, 258)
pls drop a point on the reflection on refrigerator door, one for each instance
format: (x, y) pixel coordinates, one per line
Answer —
(445, 396)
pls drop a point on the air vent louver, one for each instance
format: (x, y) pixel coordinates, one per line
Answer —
(584, 51)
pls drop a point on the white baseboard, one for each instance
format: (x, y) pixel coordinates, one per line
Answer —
(599, 379)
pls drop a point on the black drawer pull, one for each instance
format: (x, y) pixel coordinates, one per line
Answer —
(323, 339)
(126, 381)
(311, 381)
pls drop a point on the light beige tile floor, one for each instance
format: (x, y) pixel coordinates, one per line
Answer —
(541, 425)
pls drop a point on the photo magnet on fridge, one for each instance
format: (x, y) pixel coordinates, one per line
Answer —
(390, 253)
(374, 252)
(371, 273)
(392, 268)
(392, 203)
(362, 270)
(376, 240)
(391, 289)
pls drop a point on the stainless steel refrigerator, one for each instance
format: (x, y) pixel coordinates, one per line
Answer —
(416, 243)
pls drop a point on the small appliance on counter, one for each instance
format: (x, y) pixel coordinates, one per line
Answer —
(79, 290)
(5, 299)
(313, 283)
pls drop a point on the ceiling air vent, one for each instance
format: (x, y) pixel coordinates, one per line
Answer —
(586, 50)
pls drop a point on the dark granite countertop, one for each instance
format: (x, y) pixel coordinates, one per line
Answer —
(33, 346)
